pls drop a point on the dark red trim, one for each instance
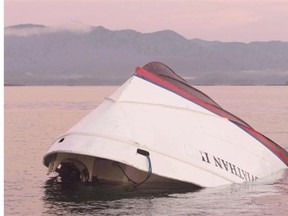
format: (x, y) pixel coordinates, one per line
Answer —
(170, 86)
(277, 150)
(272, 146)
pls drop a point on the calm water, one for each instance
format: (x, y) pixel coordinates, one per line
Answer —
(34, 116)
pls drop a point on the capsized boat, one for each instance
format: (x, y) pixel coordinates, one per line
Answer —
(157, 129)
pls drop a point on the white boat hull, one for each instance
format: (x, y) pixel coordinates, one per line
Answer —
(186, 141)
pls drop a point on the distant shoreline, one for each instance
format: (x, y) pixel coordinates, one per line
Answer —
(51, 85)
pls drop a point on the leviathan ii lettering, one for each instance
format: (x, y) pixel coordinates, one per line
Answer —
(227, 166)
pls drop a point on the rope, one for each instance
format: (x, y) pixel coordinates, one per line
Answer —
(131, 180)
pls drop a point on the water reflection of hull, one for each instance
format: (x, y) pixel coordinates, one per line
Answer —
(157, 129)
(103, 199)
(56, 191)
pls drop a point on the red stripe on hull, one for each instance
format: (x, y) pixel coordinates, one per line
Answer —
(276, 149)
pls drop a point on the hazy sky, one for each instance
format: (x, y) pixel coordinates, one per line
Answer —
(230, 20)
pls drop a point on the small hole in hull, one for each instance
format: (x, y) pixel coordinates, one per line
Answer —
(61, 140)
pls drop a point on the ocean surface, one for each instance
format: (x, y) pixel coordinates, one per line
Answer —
(35, 116)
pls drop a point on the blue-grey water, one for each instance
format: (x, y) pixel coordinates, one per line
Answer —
(34, 116)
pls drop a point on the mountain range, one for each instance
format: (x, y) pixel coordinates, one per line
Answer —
(77, 54)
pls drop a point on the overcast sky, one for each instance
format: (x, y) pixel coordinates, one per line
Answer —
(230, 20)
